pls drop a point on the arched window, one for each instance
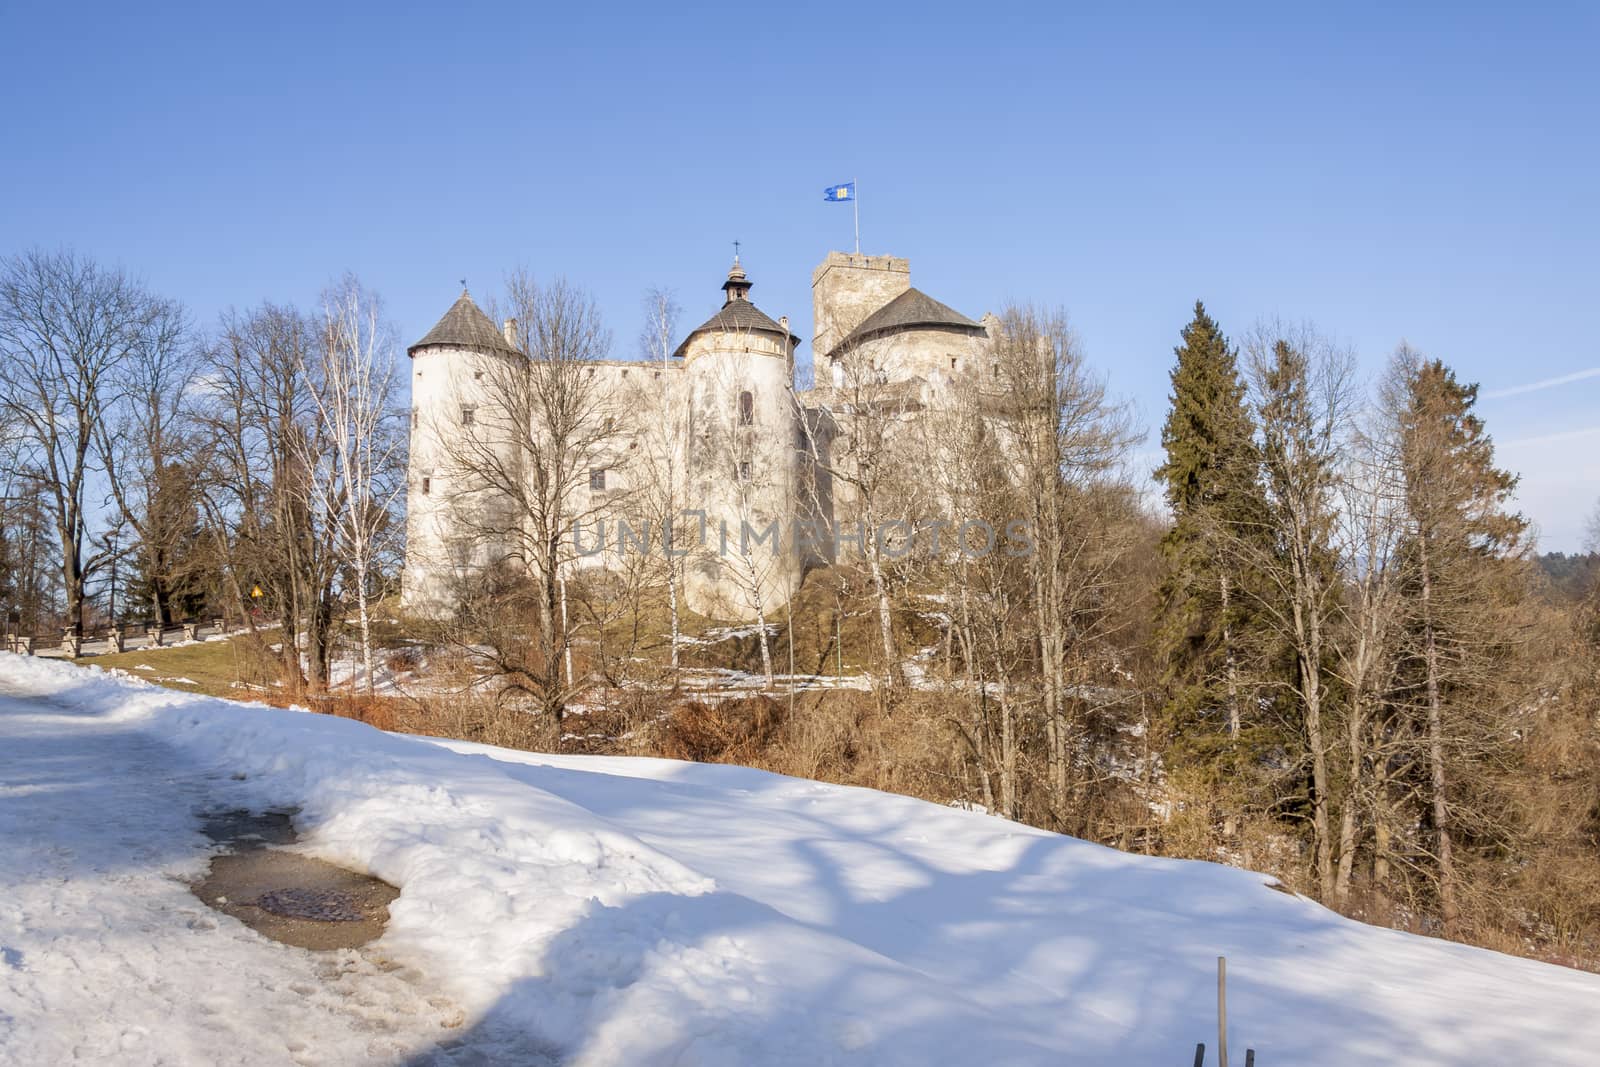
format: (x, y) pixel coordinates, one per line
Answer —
(747, 408)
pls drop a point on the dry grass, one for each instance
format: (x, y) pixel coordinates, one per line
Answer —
(238, 668)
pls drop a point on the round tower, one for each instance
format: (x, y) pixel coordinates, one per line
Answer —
(744, 432)
(463, 437)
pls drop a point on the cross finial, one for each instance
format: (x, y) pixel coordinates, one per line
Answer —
(736, 251)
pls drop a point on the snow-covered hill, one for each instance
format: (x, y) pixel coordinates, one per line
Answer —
(627, 911)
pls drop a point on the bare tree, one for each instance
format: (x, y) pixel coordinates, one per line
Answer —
(519, 475)
(68, 327)
(146, 458)
(1302, 396)
(873, 470)
(982, 590)
(662, 488)
(1368, 540)
(267, 449)
(361, 478)
(1065, 441)
(29, 574)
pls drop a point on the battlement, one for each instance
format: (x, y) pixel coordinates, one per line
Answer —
(890, 264)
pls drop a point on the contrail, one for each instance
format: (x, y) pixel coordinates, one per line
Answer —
(1552, 438)
(1547, 383)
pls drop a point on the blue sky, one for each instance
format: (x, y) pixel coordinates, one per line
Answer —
(1425, 172)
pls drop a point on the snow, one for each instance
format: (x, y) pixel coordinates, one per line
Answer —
(638, 911)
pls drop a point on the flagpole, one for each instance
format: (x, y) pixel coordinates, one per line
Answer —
(855, 206)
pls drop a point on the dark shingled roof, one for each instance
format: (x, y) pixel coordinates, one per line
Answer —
(911, 309)
(738, 315)
(464, 326)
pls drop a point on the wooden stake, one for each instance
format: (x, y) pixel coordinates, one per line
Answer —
(1222, 1011)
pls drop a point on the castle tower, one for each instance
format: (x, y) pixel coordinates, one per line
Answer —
(743, 458)
(845, 289)
(453, 369)
(868, 314)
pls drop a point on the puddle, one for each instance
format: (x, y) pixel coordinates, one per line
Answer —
(285, 896)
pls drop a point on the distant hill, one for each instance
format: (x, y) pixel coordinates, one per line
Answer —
(1571, 576)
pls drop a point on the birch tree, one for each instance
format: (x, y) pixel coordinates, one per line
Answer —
(662, 493)
(361, 477)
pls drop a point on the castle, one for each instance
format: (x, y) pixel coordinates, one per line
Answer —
(709, 455)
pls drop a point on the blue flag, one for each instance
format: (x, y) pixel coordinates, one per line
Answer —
(835, 194)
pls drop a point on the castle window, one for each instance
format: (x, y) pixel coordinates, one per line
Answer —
(744, 470)
(597, 479)
(469, 414)
(415, 418)
(747, 408)
(952, 362)
(610, 424)
(994, 369)
(427, 484)
(477, 375)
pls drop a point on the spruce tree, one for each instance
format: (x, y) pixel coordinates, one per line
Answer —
(1212, 482)
(1465, 547)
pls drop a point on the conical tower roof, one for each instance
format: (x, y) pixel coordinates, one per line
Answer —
(464, 326)
(738, 314)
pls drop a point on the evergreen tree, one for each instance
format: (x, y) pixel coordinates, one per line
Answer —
(174, 564)
(1469, 577)
(1212, 481)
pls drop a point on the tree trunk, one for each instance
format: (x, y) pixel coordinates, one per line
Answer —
(550, 639)
(319, 638)
(969, 652)
(761, 626)
(1230, 663)
(891, 659)
(1348, 813)
(364, 618)
(672, 607)
(1441, 813)
(1308, 630)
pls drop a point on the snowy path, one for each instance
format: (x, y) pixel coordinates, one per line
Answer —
(105, 955)
(643, 912)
